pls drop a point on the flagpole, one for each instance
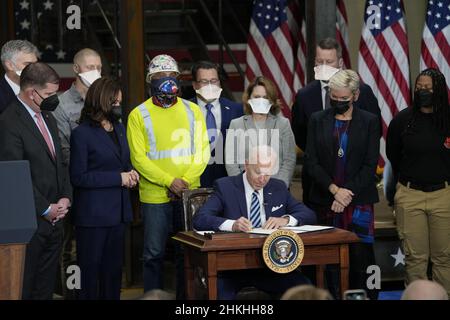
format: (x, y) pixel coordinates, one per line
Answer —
(310, 18)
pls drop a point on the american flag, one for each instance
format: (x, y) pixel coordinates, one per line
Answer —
(45, 14)
(276, 47)
(342, 31)
(436, 39)
(383, 61)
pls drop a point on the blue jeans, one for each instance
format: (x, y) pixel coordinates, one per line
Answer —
(160, 220)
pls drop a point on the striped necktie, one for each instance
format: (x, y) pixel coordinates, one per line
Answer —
(255, 211)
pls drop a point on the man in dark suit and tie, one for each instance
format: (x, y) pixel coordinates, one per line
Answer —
(218, 113)
(252, 200)
(28, 131)
(15, 56)
(315, 97)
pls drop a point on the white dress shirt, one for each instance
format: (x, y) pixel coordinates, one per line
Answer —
(216, 111)
(15, 87)
(228, 224)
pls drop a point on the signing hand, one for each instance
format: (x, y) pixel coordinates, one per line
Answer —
(344, 196)
(242, 225)
(276, 223)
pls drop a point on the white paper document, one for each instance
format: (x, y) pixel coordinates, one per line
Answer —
(204, 232)
(299, 229)
(308, 228)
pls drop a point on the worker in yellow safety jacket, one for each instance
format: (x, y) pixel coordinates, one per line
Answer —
(170, 149)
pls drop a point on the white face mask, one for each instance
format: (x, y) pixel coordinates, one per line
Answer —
(89, 77)
(18, 72)
(210, 92)
(260, 105)
(324, 72)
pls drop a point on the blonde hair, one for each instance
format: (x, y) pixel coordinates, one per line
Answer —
(306, 292)
(345, 79)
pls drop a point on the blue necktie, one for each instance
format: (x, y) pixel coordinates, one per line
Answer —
(255, 211)
(210, 123)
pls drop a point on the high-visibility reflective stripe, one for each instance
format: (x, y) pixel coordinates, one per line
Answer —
(190, 115)
(149, 129)
(164, 154)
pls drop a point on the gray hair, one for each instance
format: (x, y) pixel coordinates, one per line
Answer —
(345, 79)
(14, 47)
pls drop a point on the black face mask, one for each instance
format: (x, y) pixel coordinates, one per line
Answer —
(49, 103)
(115, 114)
(423, 98)
(340, 107)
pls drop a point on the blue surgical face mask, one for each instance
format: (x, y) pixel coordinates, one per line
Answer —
(165, 90)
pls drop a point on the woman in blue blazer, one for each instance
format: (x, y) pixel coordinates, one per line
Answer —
(101, 174)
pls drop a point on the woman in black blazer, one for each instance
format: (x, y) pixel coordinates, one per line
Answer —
(101, 173)
(341, 157)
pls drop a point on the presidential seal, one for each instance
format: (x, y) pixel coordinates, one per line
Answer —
(283, 251)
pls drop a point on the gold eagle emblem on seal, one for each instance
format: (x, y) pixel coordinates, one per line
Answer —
(283, 251)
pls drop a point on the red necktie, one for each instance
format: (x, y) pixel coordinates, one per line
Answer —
(45, 134)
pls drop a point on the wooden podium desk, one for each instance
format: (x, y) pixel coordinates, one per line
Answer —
(237, 251)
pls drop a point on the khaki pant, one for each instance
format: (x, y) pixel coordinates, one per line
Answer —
(423, 225)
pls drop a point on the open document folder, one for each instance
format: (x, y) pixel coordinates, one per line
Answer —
(299, 229)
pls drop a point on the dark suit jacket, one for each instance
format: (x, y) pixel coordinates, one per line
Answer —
(363, 150)
(95, 166)
(309, 100)
(20, 139)
(228, 202)
(230, 110)
(6, 94)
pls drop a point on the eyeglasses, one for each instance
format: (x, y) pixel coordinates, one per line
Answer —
(205, 82)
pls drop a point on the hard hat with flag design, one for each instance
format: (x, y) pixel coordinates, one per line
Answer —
(162, 63)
